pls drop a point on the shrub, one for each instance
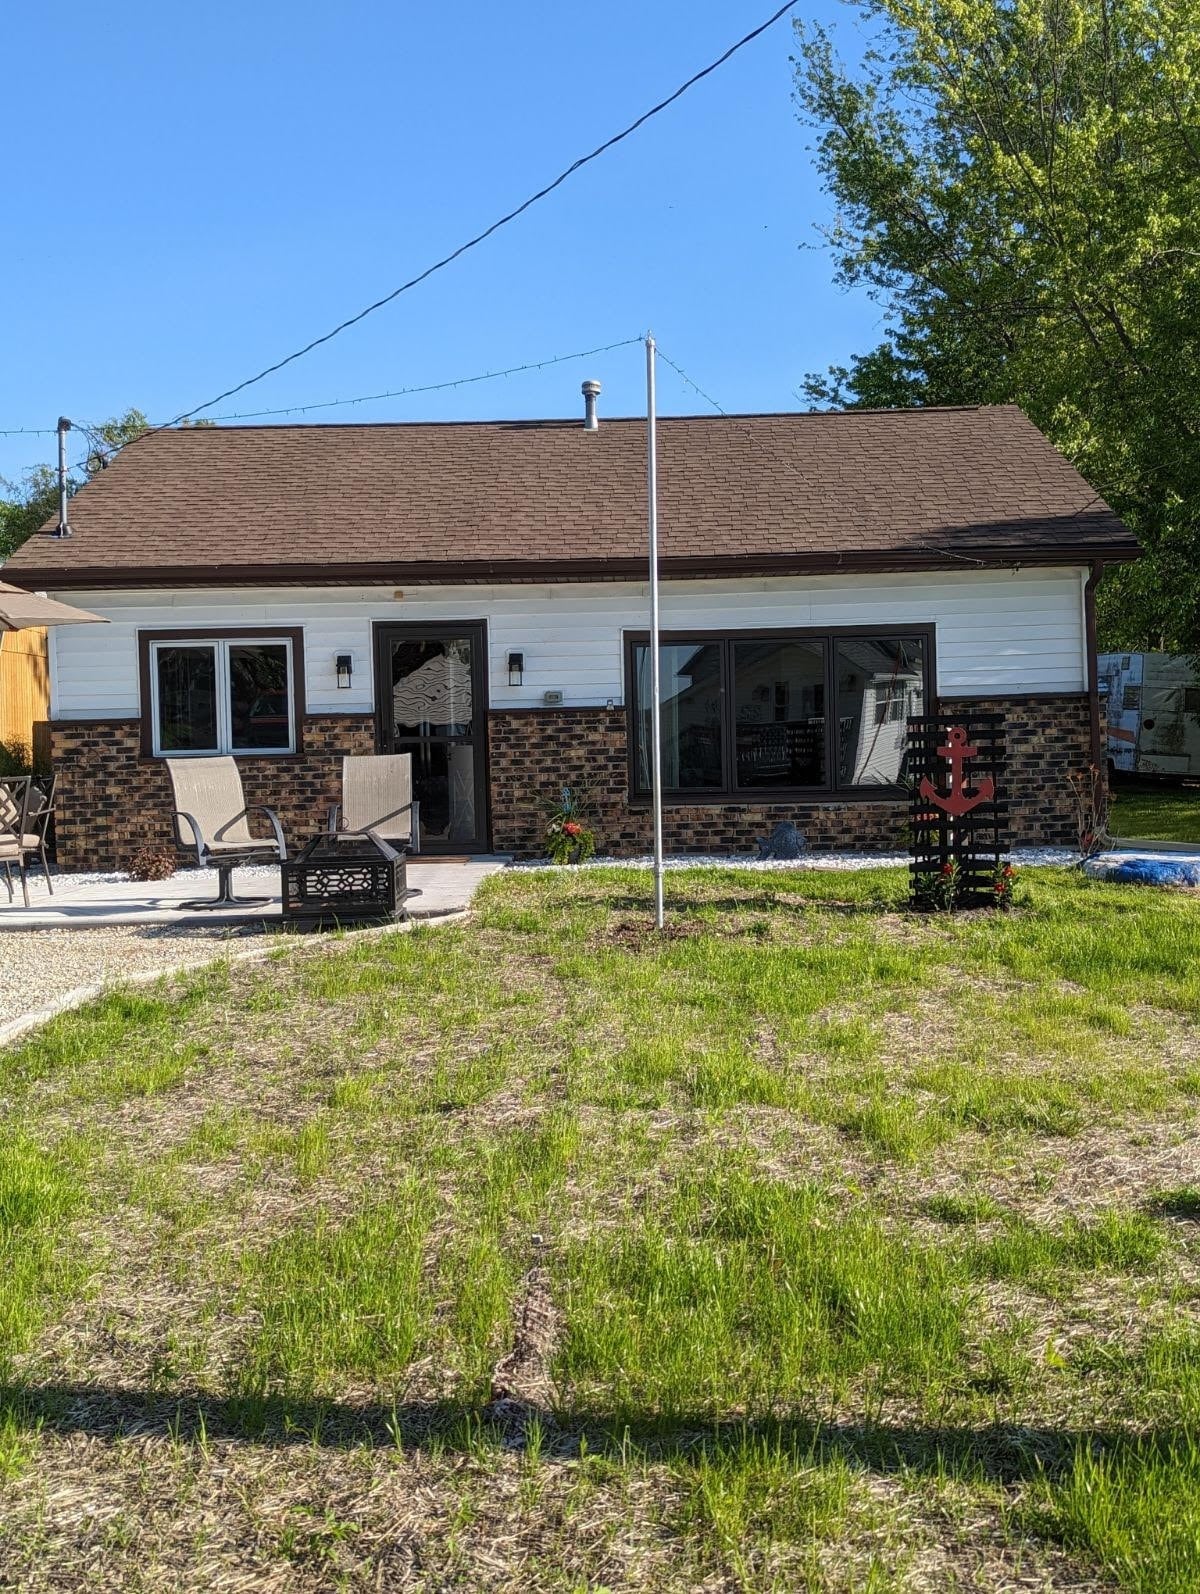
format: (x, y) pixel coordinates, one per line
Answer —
(15, 759)
(1092, 803)
(153, 862)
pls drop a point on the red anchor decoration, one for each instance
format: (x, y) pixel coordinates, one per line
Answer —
(959, 799)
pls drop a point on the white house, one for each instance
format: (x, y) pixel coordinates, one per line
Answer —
(476, 594)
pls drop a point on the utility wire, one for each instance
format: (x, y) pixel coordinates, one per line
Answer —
(927, 547)
(429, 387)
(104, 451)
(446, 260)
(695, 386)
(480, 237)
(1096, 498)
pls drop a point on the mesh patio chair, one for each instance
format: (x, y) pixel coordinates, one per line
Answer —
(209, 801)
(14, 830)
(377, 796)
(37, 821)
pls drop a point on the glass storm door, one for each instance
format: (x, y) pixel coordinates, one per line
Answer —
(432, 704)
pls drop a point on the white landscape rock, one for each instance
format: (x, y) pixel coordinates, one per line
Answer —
(1021, 858)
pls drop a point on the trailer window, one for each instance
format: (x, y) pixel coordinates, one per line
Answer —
(1131, 699)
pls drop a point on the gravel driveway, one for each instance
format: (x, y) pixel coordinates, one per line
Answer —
(39, 966)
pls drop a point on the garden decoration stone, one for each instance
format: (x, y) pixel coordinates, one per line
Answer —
(785, 841)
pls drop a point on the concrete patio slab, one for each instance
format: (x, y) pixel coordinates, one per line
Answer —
(93, 902)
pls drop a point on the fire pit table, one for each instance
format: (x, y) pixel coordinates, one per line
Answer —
(347, 877)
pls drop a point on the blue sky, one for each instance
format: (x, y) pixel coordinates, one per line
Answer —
(193, 191)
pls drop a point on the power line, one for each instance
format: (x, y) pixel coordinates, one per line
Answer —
(429, 387)
(927, 547)
(105, 451)
(503, 221)
(438, 265)
(100, 446)
(695, 386)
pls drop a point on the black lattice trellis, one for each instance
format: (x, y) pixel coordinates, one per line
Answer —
(973, 844)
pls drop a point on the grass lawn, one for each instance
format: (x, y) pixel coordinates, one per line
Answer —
(1151, 811)
(816, 1245)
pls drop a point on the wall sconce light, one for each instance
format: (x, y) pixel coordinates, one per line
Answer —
(345, 669)
(516, 668)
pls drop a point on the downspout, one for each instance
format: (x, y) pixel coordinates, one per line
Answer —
(1093, 683)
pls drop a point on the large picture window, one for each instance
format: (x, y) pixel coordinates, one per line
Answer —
(757, 715)
(233, 694)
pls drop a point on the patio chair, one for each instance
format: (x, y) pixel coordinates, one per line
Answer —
(377, 796)
(14, 830)
(37, 821)
(210, 802)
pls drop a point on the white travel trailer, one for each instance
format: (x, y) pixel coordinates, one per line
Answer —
(1153, 704)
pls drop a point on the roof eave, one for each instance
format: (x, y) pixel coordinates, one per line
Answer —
(476, 572)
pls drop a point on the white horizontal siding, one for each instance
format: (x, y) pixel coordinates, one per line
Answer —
(997, 631)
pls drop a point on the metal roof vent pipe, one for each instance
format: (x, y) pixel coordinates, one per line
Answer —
(591, 391)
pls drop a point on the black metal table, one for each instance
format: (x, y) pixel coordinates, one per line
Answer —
(351, 877)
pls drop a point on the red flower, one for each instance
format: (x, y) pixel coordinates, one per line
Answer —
(947, 868)
(572, 827)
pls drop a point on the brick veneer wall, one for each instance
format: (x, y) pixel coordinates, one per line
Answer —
(112, 800)
(1049, 739)
(534, 752)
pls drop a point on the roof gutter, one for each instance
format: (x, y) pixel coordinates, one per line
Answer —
(532, 571)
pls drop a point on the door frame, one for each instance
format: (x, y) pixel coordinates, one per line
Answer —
(382, 632)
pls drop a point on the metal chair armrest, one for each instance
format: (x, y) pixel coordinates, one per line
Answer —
(260, 808)
(414, 808)
(38, 822)
(197, 833)
(273, 817)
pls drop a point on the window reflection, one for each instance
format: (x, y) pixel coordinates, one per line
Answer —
(258, 696)
(187, 699)
(781, 712)
(691, 715)
(779, 698)
(880, 684)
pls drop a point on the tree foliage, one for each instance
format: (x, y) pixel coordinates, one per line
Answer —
(1018, 182)
(30, 503)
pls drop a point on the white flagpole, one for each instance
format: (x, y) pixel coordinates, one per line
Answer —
(655, 678)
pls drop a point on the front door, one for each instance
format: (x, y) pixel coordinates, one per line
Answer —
(431, 687)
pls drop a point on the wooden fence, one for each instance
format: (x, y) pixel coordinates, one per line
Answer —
(25, 696)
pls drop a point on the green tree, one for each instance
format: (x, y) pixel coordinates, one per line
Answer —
(1018, 183)
(26, 505)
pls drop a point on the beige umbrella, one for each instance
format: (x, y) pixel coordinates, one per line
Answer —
(20, 610)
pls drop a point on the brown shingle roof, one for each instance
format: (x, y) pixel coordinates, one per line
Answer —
(881, 489)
